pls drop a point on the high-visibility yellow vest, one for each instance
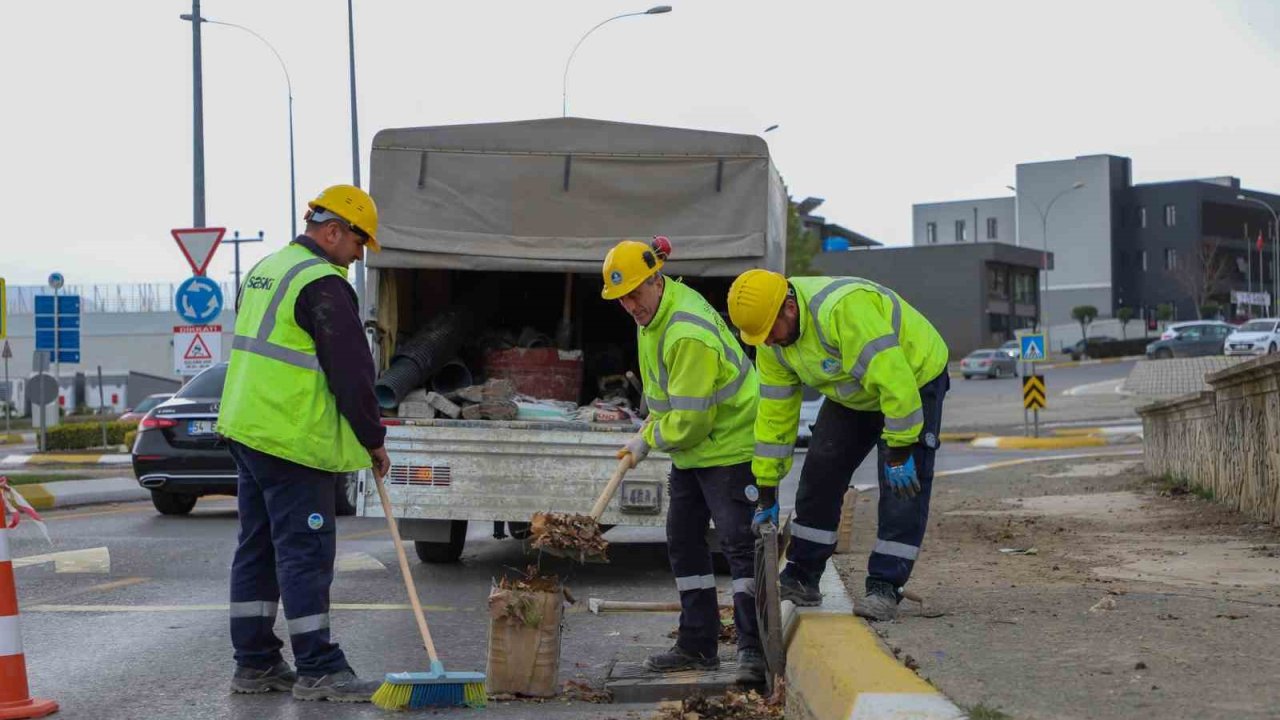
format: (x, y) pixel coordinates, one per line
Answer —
(698, 382)
(276, 399)
(860, 345)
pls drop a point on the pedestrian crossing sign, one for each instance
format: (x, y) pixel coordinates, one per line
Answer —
(1033, 348)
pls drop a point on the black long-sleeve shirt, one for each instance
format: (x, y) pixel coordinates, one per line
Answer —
(328, 311)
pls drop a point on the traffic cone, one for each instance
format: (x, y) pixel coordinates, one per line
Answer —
(15, 696)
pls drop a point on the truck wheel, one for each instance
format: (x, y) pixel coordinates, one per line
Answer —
(172, 503)
(518, 530)
(345, 494)
(444, 552)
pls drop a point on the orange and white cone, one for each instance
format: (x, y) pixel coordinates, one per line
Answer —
(15, 696)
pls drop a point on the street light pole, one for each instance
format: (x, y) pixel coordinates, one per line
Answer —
(197, 119)
(293, 194)
(1275, 251)
(564, 86)
(1044, 255)
(355, 142)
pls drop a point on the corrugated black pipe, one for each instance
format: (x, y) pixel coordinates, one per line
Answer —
(453, 375)
(424, 354)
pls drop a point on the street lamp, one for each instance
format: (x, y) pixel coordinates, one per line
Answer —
(293, 201)
(1044, 257)
(564, 91)
(1275, 248)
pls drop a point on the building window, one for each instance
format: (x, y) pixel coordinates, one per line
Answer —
(1144, 261)
(1142, 217)
(960, 231)
(998, 282)
(931, 233)
(1170, 215)
(1024, 289)
(1170, 259)
(991, 228)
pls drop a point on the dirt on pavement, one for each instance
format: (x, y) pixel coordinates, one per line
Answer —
(1115, 596)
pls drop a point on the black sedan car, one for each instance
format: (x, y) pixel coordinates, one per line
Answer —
(179, 458)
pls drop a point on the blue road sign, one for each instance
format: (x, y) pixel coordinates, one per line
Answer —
(58, 331)
(1033, 348)
(198, 300)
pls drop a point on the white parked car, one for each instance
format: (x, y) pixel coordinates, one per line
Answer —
(1256, 337)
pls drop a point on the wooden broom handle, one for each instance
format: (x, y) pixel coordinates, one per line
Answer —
(404, 571)
(602, 502)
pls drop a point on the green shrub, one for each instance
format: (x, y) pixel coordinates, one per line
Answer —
(78, 436)
(129, 437)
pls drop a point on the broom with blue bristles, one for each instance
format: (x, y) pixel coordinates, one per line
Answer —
(434, 688)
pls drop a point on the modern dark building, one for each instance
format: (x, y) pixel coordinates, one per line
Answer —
(976, 294)
(1119, 244)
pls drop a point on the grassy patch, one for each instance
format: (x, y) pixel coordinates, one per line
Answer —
(37, 477)
(10, 438)
(982, 712)
(1173, 486)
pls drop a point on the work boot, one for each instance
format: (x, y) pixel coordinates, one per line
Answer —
(880, 603)
(677, 658)
(341, 686)
(791, 588)
(751, 667)
(253, 680)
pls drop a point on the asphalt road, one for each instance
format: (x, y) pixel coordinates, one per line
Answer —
(1058, 381)
(136, 626)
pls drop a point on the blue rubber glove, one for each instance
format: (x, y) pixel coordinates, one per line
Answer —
(902, 477)
(766, 509)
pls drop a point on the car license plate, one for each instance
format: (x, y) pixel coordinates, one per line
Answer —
(200, 427)
(641, 496)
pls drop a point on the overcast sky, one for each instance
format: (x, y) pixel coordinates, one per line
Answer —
(880, 104)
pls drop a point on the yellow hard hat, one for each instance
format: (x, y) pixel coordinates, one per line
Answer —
(630, 263)
(351, 204)
(755, 298)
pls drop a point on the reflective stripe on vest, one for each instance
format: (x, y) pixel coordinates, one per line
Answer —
(679, 402)
(259, 345)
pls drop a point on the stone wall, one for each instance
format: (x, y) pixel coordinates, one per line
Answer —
(1225, 440)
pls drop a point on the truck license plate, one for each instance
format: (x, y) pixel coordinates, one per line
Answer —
(641, 496)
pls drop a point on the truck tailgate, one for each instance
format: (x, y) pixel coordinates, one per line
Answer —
(494, 470)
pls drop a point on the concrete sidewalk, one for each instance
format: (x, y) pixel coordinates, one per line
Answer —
(837, 667)
(71, 493)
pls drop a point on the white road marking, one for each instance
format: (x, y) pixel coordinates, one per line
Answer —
(91, 560)
(357, 561)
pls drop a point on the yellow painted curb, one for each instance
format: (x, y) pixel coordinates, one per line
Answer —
(1043, 443)
(961, 436)
(833, 659)
(64, 459)
(36, 494)
(1076, 432)
(10, 439)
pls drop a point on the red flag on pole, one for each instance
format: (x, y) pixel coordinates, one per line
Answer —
(1259, 241)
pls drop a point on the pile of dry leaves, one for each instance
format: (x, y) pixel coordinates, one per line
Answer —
(733, 705)
(576, 536)
(530, 581)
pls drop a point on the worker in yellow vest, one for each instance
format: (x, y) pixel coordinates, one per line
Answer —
(702, 393)
(883, 370)
(298, 412)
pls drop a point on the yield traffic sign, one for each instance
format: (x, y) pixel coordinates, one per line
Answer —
(198, 244)
(1034, 396)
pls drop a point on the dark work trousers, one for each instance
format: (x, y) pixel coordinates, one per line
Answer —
(697, 496)
(842, 439)
(287, 547)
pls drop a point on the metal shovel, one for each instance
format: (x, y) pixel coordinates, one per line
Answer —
(540, 524)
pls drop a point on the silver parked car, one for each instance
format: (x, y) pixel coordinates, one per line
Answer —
(989, 363)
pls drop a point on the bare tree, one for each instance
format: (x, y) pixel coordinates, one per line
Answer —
(1202, 274)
